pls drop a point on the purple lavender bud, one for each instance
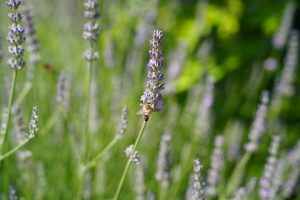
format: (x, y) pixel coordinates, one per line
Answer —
(33, 45)
(90, 4)
(258, 126)
(278, 178)
(16, 50)
(152, 99)
(270, 64)
(12, 193)
(132, 154)
(13, 4)
(122, 124)
(15, 17)
(90, 55)
(91, 29)
(15, 39)
(266, 182)
(33, 124)
(280, 37)
(216, 166)
(239, 194)
(91, 14)
(62, 90)
(61, 87)
(164, 161)
(139, 182)
(284, 85)
(15, 36)
(16, 62)
(196, 185)
(16, 29)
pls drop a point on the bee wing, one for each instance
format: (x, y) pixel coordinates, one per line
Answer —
(140, 112)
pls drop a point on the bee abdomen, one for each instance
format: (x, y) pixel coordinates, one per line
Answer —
(146, 117)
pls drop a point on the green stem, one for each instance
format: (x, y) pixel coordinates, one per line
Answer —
(237, 175)
(93, 162)
(80, 182)
(11, 96)
(23, 93)
(121, 182)
(86, 128)
(55, 116)
(12, 151)
(163, 193)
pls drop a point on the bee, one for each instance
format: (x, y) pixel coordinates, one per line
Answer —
(146, 111)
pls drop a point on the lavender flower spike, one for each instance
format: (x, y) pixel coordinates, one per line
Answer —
(216, 167)
(132, 154)
(258, 126)
(266, 182)
(197, 187)
(152, 99)
(15, 36)
(33, 124)
(164, 161)
(91, 29)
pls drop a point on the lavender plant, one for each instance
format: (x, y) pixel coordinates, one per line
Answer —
(280, 37)
(266, 182)
(119, 135)
(33, 45)
(258, 127)
(257, 130)
(32, 130)
(12, 193)
(196, 188)
(284, 86)
(204, 116)
(15, 37)
(217, 163)
(164, 163)
(151, 99)
(139, 182)
(62, 91)
(91, 34)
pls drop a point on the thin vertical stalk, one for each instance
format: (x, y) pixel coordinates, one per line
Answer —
(23, 93)
(86, 129)
(121, 182)
(94, 161)
(10, 103)
(237, 175)
(163, 193)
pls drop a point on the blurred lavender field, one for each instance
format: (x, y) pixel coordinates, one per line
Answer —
(216, 83)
